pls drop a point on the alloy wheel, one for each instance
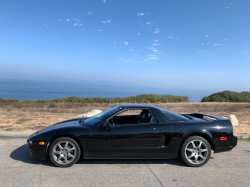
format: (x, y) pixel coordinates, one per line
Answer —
(64, 152)
(196, 152)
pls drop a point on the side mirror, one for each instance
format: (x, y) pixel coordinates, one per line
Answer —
(154, 121)
(107, 126)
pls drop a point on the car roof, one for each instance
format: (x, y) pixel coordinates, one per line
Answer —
(136, 106)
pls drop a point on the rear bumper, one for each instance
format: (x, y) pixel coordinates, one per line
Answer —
(36, 151)
(233, 143)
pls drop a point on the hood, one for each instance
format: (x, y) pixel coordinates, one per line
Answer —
(68, 123)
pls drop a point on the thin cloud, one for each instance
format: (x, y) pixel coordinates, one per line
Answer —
(67, 20)
(153, 49)
(129, 60)
(45, 25)
(206, 35)
(108, 21)
(104, 1)
(172, 38)
(90, 13)
(99, 30)
(59, 20)
(218, 44)
(149, 22)
(10, 19)
(138, 34)
(153, 57)
(155, 44)
(140, 14)
(157, 31)
(126, 43)
(77, 22)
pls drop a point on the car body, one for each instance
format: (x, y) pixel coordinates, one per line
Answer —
(155, 133)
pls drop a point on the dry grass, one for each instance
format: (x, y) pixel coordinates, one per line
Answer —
(30, 117)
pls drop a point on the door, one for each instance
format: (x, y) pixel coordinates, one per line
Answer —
(128, 140)
(124, 140)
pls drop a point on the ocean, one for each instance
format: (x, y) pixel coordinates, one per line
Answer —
(35, 90)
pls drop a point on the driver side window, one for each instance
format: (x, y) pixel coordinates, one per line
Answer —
(132, 116)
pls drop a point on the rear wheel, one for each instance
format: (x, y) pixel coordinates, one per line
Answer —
(195, 151)
(64, 152)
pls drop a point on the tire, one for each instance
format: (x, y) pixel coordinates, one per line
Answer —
(64, 152)
(195, 151)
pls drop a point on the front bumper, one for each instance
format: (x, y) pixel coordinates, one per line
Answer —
(36, 151)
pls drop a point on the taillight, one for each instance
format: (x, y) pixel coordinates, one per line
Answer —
(223, 138)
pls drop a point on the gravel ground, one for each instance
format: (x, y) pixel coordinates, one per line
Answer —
(223, 169)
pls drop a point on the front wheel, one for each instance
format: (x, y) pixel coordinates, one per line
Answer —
(195, 151)
(64, 152)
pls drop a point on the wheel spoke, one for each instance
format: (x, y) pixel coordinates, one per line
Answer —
(200, 144)
(200, 155)
(203, 150)
(190, 150)
(193, 144)
(70, 155)
(196, 159)
(66, 159)
(59, 158)
(66, 145)
(60, 147)
(190, 156)
(57, 152)
(73, 148)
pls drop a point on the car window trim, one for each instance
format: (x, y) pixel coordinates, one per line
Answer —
(127, 110)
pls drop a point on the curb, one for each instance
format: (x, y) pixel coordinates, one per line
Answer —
(242, 136)
(7, 135)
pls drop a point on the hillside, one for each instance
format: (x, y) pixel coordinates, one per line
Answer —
(228, 96)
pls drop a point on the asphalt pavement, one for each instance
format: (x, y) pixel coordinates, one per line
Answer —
(223, 169)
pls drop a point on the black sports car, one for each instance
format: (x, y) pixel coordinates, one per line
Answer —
(134, 131)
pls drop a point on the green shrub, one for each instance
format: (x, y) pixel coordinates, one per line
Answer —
(228, 96)
(145, 98)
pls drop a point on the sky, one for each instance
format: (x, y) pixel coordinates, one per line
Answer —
(185, 44)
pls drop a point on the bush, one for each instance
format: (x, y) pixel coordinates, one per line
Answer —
(228, 96)
(145, 98)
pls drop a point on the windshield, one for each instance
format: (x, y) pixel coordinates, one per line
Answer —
(173, 117)
(101, 116)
